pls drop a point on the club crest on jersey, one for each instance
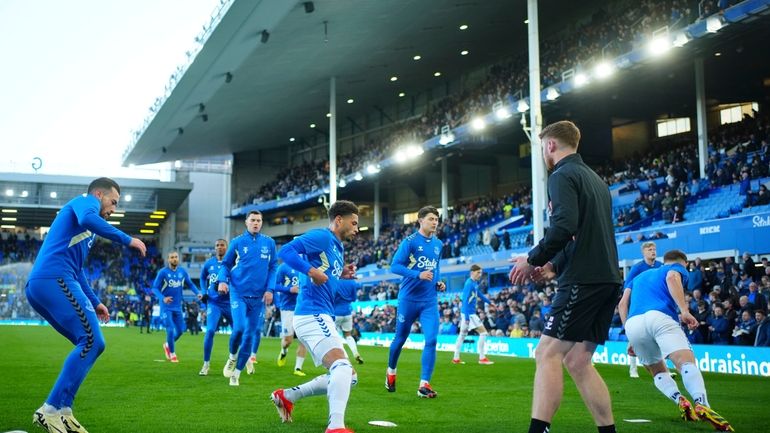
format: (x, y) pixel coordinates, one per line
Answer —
(401, 318)
(234, 305)
(427, 263)
(435, 250)
(265, 250)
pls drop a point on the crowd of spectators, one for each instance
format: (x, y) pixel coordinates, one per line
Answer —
(606, 34)
(730, 300)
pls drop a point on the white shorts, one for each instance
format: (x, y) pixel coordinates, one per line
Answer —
(471, 321)
(287, 323)
(655, 335)
(318, 334)
(345, 323)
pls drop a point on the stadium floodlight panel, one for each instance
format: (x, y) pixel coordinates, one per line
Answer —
(400, 156)
(446, 138)
(603, 70)
(581, 79)
(115, 223)
(502, 113)
(681, 39)
(552, 94)
(25, 193)
(522, 106)
(9, 192)
(7, 226)
(117, 215)
(10, 211)
(159, 212)
(129, 197)
(151, 224)
(414, 150)
(9, 218)
(53, 194)
(157, 217)
(372, 169)
(478, 124)
(146, 231)
(342, 183)
(713, 24)
(358, 176)
(659, 45)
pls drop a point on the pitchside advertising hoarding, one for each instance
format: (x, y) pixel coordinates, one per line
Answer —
(745, 360)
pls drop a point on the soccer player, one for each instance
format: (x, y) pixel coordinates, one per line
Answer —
(217, 304)
(287, 286)
(657, 304)
(417, 261)
(470, 320)
(649, 254)
(248, 269)
(589, 283)
(343, 311)
(313, 320)
(59, 291)
(167, 287)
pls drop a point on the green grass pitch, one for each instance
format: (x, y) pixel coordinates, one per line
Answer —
(133, 389)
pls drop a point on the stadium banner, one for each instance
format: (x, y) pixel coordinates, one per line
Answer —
(744, 233)
(743, 360)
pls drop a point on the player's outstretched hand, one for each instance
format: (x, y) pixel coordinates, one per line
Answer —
(267, 298)
(688, 320)
(349, 272)
(520, 271)
(102, 313)
(223, 288)
(543, 274)
(317, 276)
(139, 245)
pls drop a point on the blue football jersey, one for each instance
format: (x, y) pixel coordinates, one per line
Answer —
(649, 291)
(416, 254)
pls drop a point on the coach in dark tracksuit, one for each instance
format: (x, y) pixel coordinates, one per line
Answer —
(582, 234)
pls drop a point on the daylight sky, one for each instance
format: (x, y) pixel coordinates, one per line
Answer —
(78, 76)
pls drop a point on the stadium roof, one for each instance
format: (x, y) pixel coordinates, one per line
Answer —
(279, 87)
(32, 200)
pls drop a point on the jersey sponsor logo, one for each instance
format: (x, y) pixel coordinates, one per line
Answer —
(337, 271)
(212, 277)
(175, 283)
(80, 237)
(427, 263)
(759, 221)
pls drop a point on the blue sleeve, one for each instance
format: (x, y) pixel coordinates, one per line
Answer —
(87, 213)
(400, 261)
(437, 271)
(156, 285)
(205, 276)
(348, 294)
(189, 282)
(482, 296)
(630, 277)
(279, 276)
(272, 267)
(228, 261)
(290, 255)
(467, 288)
(87, 290)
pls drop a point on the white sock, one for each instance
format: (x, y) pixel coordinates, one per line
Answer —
(253, 355)
(352, 344)
(423, 383)
(316, 386)
(633, 363)
(206, 363)
(236, 373)
(391, 370)
(298, 363)
(338, 392)
(666, 384)
(693, 381)
(233, 357)
(49, 410)
(459, 344)
(482, 346)
(67, 411)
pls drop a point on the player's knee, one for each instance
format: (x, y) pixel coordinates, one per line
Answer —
(576, 364)
(430, 341)
(98, 345)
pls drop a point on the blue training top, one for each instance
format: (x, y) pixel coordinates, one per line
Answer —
(250, 263)
(637, 269)
(415, 254)
(209, 274)
(285, 279)
(471, 295)
(172, 283)
(649, 291)
(325, 253)
(345, 296)
(71, 236)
